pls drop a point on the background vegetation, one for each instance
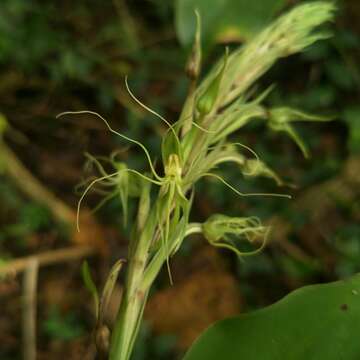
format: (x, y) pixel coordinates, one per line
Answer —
(62, 55)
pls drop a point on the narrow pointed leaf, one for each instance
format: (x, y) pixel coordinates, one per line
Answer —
(108, 289)
(90, 285)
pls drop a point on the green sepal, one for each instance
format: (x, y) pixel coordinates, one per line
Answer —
(219, 229)
(280, 119)
(188, 142)
(144, 204)
(254, 168)
(207, 99)
(170, 145)
(123, 188)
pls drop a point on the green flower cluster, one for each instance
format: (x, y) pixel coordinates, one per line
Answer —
(193, 147)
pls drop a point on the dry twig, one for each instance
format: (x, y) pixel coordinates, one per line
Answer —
(29, 309)
(46, 258)
(32, 187)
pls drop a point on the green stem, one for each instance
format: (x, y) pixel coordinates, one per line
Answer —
(134, 299)
(127, 326)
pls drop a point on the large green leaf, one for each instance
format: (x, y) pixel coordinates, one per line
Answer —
(318, 322)
(224, 19)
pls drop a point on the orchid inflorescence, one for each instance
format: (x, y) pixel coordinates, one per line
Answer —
(192, 148)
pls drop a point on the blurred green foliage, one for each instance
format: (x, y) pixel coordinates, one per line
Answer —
(229, 20)
(32, 218)
(62, 326)
(346, 241)
(352, 119)
(150, 346)
(19, 218)
(29, 34)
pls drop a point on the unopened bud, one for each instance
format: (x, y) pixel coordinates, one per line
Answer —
(207, 99)
(193, 66)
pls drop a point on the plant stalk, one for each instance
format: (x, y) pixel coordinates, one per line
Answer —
(134, 298)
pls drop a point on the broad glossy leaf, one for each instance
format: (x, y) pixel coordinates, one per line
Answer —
(224, 20)
(313, 323)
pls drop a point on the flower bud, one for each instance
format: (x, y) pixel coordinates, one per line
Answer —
(193, 66)
(207, 99)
